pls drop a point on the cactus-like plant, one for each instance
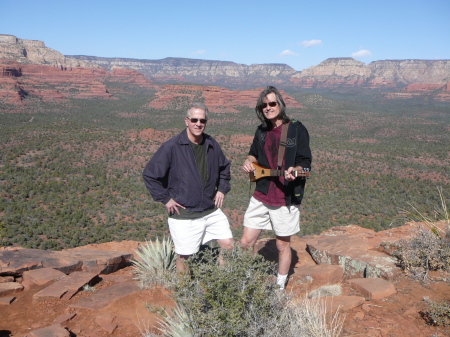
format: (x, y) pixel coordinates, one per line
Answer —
(440, 213)
(176, 324)
(156, 263)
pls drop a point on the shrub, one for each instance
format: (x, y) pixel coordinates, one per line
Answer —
(427, 250)
(222, 300)
(239, 298)
(156, 264)
(422, 253)
(438, 314)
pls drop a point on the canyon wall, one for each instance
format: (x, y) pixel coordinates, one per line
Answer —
(33, 51)
(404, 78)
(333, 72)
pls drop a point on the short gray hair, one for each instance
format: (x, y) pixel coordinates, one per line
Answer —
(197, 105)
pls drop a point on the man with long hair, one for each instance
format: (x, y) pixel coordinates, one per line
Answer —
(275, 204)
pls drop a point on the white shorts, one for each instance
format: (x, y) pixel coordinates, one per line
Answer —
(188, 235)
(284, 220)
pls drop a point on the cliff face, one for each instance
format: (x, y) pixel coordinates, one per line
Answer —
(333, 72)
(411, 71)
(392, 73)
(171, 70)
(53, 82)
(406, 77)
(32, 51)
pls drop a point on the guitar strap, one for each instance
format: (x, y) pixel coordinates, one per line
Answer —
(282, 146)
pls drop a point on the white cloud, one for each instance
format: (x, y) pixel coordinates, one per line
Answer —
(199, 52)
(288, 52)
(310, 43)
(362, 53)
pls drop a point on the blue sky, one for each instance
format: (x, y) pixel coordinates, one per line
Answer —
(298, 33)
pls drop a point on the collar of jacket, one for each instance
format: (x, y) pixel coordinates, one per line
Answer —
(184, 139)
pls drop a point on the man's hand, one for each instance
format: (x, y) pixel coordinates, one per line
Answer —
(218, 199)
(288, 174)
(172, 207)
(248, 164)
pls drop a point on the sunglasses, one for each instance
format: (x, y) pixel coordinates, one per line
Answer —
(195, 120)
(271, 104)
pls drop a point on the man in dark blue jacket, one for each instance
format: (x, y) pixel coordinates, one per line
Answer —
(190, 175)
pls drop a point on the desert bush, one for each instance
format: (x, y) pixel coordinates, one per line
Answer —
(156, 264)
(438, 314)
(239, 298)
(427, 249)
(423, 252)
(222, 300)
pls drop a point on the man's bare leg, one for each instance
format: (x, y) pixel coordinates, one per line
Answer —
(284, 259)
(249, 237)
(226, 244)
(180, 263)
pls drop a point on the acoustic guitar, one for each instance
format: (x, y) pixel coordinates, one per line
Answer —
(261, 172)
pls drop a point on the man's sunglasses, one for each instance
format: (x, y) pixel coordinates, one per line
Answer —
(271, 104)
(195, 120)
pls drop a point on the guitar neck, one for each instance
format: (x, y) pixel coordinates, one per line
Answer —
(261, 172)
(279, 173)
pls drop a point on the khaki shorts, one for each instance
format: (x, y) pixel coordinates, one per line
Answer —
(284, 220)
(188, 235)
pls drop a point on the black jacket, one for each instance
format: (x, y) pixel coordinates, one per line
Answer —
(298, 153)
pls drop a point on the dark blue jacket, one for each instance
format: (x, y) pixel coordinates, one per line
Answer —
(298, 153)
(172, 173)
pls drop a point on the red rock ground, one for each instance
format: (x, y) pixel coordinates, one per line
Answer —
(397, 315)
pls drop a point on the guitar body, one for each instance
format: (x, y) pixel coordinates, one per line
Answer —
(261, 172)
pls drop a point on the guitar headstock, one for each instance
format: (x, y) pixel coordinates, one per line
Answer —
(304, 173)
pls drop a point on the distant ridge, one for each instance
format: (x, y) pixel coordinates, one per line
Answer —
(336, 72)
(173, 70)
(333, 72)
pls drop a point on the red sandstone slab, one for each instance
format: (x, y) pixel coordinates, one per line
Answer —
(42, 275)
(321, 274)
(20, 260)
(64, 318)
(357, 255)
(100, 261)
(345, 303)
(69, 284)
(7, 300)
(373, 288)
(6, 279)
(55, 330)
(298, 244)
(112, 278)
(9, 288)
(15, 262)
(103, 297)
(106, 322)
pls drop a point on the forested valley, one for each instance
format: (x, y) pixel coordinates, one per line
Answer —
(70, 172)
